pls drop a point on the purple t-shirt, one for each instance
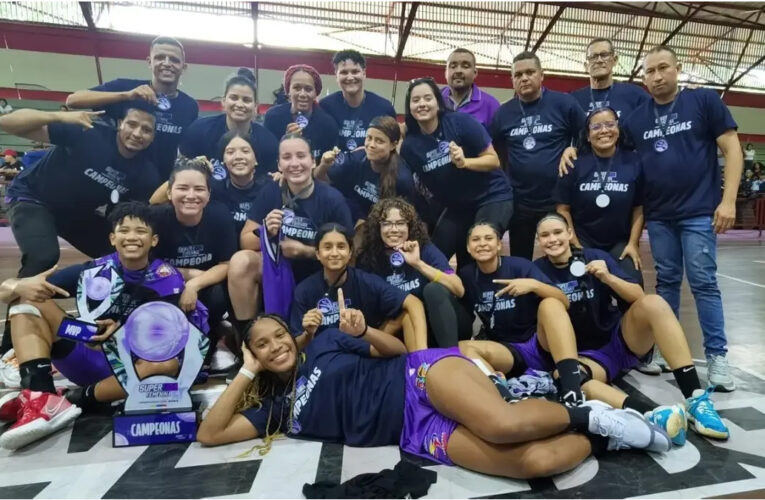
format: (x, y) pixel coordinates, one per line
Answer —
(480, 105)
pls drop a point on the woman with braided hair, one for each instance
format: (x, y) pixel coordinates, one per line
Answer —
(434, 403)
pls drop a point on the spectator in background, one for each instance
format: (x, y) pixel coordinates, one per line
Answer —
(279, 96)
(174, 110)
(757, 170)
(5, 107)
(749, 153)
(461, 94)
(11, 166)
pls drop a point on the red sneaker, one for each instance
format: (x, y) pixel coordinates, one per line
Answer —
(9, 407)
(41, 413)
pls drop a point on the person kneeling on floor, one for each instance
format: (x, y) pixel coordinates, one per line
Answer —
(39, 409)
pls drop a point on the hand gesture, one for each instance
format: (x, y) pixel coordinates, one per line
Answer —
(516, 287)
(599, 269)
(411, 252)
(144, 92)
(293, 128)
(293, 249)
(725, 216)
(37, 288)
(249, 362)
(274, 222)
(329, 157)
(312, 321)
(566, 161)
(632, 251)
(188, 300)
(81, 118)
(457, 155)
(352, 321)
(106, 328)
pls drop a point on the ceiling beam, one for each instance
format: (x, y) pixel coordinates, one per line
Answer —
(404, 34)
(733, 78)
(87, 13)
(531, 26)
(549, 28)
(636, 64)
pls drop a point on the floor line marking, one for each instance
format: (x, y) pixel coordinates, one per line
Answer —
(740, 280)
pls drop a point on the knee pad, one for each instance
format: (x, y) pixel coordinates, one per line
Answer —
(585, 373)
(24, 309)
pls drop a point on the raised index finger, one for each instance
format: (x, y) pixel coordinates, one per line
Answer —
(340, 300)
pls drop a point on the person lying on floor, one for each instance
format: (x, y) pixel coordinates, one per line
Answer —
(39, 410)
(358, 386)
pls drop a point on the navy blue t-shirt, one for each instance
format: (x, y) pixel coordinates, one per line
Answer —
(353, 176)
(238, 201)
(509, 319)
(619, 178)
(203, 246)
(408, 279)
(325, 204)
(533, 154)
(75, 179)
(428, 156)
(623, 97)
(174, 115)
(684, 180)
(353, 122)
(595, 309)
(321, 130)
(364, 291)
(202, 137)
(342, 395)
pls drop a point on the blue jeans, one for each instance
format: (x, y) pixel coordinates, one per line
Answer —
(694, 242)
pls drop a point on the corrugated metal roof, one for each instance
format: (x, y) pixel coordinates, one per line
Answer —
(716, 41)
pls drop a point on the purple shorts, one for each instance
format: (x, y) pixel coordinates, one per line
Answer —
(532, 353)
(615, 357)
(83, 366)
(426, 432)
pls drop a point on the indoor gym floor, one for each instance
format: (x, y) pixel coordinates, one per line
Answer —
(80, 462)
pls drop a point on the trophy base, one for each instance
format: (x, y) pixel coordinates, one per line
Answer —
(154, 428)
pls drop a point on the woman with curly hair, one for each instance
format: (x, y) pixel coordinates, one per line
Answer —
(358, 386)
(396, 247)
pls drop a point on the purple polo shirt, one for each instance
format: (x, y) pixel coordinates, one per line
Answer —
(480, 106)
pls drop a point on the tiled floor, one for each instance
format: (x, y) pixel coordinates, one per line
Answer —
(80, 462)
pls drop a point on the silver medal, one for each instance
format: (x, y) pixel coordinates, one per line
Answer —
(660, 145)
(603, 200)
(301, 120)
(529, 142)
(577, 268)
(114, 196)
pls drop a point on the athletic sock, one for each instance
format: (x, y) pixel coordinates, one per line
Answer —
(687, 379)
(570, 382)
(580, 418)
(36, 375)
(636, 404)
(598, 444)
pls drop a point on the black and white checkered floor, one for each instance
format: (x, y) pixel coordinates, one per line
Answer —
(81, 463)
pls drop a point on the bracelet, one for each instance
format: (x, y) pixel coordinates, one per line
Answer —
(366, 329)
(438, 276)
(247, 373)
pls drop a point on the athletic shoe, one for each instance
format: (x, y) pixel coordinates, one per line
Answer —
(650, 367)
(76, 396)
(719, 374)
(223, 360)
(703, 417)
(9, 370)
(41, 413)
(626, 429)
(673, 419)
(9, 407)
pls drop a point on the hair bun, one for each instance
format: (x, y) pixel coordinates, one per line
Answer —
(246, 73)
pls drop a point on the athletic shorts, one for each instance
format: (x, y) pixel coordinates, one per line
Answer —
(80, 364)
(533, 355)
(426, 432)
(615, 357)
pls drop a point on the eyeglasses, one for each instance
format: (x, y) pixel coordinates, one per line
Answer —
(603, 125)
(422, 79)
(600, 55)
(395, 224)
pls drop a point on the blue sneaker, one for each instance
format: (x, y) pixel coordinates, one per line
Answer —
(673, 419)
(703, 417)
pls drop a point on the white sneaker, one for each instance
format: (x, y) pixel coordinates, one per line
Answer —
(9, 370)
(719, 374)
(626, 429)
